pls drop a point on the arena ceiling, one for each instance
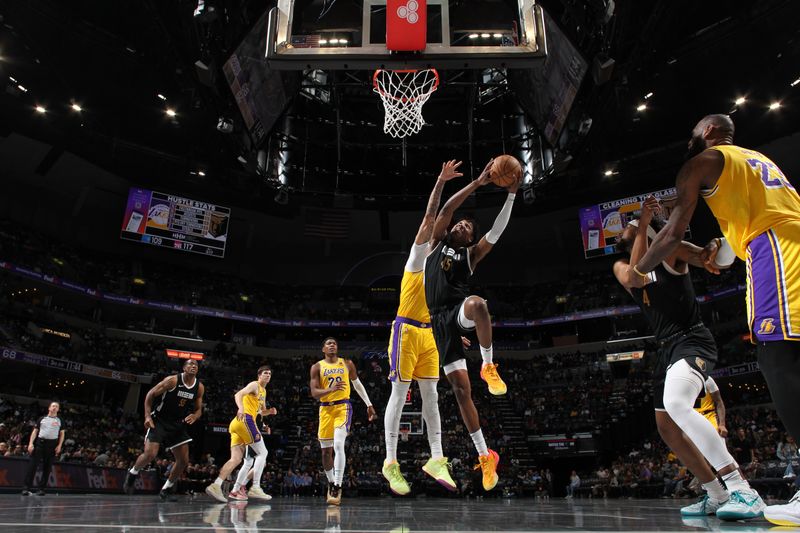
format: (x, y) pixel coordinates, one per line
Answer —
(125, 62)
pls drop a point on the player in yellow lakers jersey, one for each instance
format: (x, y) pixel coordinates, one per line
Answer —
(330, 381)
(758, 211)
(413, 354)
(712, 407)
(250, 401)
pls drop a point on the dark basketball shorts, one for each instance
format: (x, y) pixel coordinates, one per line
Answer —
(169, 434)
(447, 333)
(698, 348)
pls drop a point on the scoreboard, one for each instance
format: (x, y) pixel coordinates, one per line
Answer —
(170, 221)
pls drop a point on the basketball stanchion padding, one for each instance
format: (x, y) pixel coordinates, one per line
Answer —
(403, 93)
(406, 25)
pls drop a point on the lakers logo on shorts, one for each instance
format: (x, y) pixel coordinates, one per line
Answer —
(767, 326)
(701, 363)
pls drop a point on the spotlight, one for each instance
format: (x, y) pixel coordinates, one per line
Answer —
(333, 41)
(795, 82)
(201, 173)
(76, 107)
(473, 35)
(40, 110)
(12, 79)
(170, 112)
(641, 107)
(774, 105)
(323, 41)
(648, 96)
(161, 97)
(741, 100)
(485, 35)
(21, 88)
(608, 173)
(342, 41)
(497, 35)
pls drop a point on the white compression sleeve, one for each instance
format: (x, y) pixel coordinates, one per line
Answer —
(391, 419)
(362, 392)
(339, 458)
(260, 462)
(241, 478)
(430, 412)
(416, 258)
(502, 220)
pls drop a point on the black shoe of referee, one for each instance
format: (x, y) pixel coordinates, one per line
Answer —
(168, 495)
(128, 486)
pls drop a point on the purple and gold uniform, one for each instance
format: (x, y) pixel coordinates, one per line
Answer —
(412, 348)
(334, 408)
(245, 432)
(759, 213)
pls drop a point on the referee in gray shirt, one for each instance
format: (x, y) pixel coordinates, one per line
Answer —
(46, 441)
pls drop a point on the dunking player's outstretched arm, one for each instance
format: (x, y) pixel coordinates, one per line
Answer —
(445, 215)
(487, 242)
(449, 171)
(360, 390)
(703, 170)
(165, 385)
(191, 418)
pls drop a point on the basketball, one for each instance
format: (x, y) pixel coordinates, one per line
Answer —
(506, 170)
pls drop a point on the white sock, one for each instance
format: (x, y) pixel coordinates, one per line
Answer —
(430, 413)
(134, 470)
(715, 490)
(735, 481)
(330, 476)
(391, 419)
(487, 354)
(218, 482)
(167, 485)
(339, 458)
(480, 443)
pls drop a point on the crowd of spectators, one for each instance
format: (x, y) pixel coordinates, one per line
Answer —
(577, 291)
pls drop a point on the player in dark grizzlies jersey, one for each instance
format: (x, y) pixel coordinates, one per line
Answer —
(687, 353)
(169, 407)
(452, 257)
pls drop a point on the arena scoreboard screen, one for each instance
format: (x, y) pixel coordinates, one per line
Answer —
(170, 221)
(183, 354)
(601, 224)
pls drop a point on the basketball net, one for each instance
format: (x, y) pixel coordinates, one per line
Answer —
(403, 93)
(404, 434)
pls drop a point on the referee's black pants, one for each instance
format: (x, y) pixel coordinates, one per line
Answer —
(44, 451)
(779, 361)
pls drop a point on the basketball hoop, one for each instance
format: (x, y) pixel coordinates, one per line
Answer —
(403, 93)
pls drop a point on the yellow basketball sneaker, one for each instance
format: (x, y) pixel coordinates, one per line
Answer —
(489, 374)
(397, 483)
(439, 469)
(488, 465)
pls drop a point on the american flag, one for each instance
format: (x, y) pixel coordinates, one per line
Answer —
(328, 223)
(305, 41)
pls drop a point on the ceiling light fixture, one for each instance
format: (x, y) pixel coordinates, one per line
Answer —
(21, 88)
(473, 35)
(497, 35)
(41, 110)
(641, 107)
(76, 107)
(741, 100)
(201, 173)
(485, 35)
(608, 173)
(648, 96)
(12, 79)
(795, 82)
(774, 105)
(161, 97)
(170, 112)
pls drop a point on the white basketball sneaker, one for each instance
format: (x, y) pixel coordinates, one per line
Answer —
(704, 507)
(787, 514)
(742, 505)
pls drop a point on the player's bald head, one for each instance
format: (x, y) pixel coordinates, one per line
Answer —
(710, 131)
(719, 121)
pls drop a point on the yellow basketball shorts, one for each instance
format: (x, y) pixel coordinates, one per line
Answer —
(773, 284)
(334, 415)
(243, 432)
(412, 351)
